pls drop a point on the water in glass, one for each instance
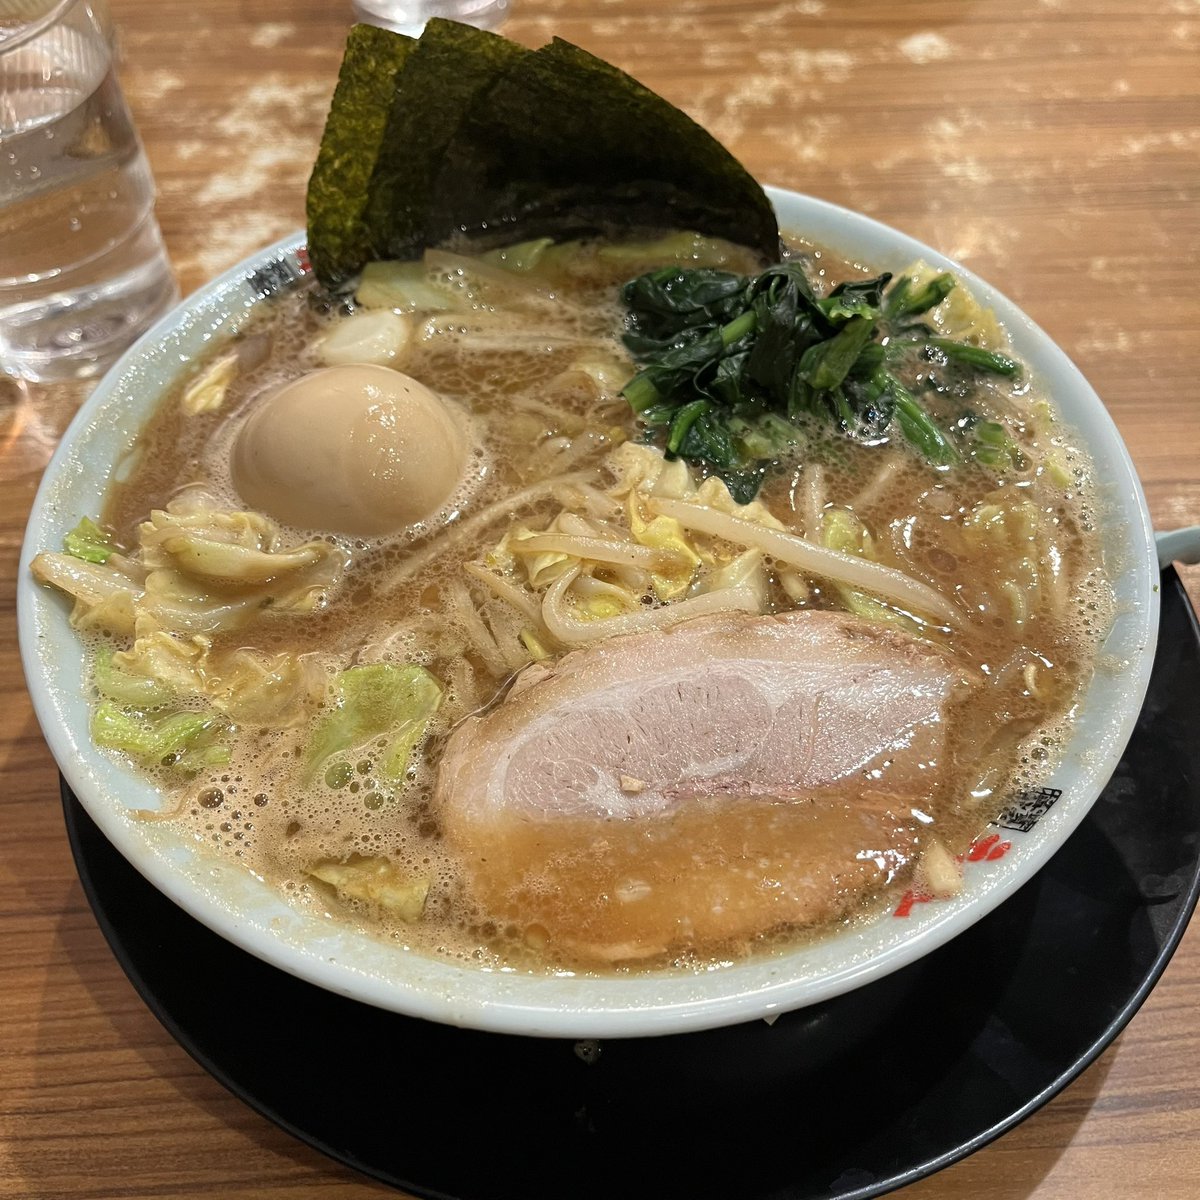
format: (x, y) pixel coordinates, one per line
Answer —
(409, 16)
(82, 265)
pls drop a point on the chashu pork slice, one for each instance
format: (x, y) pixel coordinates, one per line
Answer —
(688, 790)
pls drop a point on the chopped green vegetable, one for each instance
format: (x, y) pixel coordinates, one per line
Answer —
(826, 365)
(682, 246)
(841, 530)
(522, 258)
(206, 393)
(917, 426)
(730, 363)
(376, 881)
(89, 542)
(992, 444)
(402, 285)
(183, 740)
(377, 701)
(907, 300)
(975, 356)
(124, 687)
(201, 758)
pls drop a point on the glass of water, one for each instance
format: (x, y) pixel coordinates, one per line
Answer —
(409, 16)
(83, 269)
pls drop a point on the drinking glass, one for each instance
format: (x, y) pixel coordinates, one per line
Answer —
(409, 16)
(83, 269)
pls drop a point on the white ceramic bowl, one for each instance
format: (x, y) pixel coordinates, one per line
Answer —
(252, 915)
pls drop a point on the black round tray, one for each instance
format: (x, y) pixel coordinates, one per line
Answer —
(845, 1100)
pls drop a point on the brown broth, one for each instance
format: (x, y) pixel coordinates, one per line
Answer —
(259, 810)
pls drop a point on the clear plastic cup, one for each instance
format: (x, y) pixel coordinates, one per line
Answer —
(83, 270)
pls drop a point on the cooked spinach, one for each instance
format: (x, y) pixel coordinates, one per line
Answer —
(732, 366)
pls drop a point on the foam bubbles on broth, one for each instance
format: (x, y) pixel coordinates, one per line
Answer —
(259, 811)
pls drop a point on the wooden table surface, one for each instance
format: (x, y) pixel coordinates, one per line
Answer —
(1051, 145)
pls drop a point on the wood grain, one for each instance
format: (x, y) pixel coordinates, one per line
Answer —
(1053, 146)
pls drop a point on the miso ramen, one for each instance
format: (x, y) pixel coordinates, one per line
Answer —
(405, 608)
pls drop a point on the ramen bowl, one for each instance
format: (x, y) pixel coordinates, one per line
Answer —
(248, 912)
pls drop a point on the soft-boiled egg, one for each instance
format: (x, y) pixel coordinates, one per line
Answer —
(356, 449)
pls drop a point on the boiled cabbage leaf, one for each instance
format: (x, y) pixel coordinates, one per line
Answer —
(198, 569)
(106, 597)
(251, 687)
(123, 686)
(379, 700)
(89, 542)
(376, 881)
(184, 740)
(841, 530)
(206, 393)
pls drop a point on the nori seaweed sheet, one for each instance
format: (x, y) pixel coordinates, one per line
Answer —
(469, 133)
(565, 144)
(451, 66)
(339, 240)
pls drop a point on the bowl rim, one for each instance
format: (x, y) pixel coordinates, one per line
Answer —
(553, 1005)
